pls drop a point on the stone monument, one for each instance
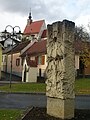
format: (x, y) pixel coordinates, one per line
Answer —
(60, 70)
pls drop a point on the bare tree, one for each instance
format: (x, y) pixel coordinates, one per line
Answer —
(83, 40)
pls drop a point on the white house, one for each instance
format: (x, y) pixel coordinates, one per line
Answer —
(29, 72)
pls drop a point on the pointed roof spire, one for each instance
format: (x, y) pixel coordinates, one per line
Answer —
(29, 20)
(30, 17)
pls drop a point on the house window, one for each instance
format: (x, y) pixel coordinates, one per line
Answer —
(8, 45)
(17, 61)
(41, 60)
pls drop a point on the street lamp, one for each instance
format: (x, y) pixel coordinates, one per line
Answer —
(12, 34)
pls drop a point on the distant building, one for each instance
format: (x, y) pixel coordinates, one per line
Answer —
(16, 59)
(1, 47)
(36, 53)
(34, 29)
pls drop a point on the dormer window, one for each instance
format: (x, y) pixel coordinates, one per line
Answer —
(9, 45)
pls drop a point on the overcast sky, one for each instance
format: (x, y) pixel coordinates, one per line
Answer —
(15, 12)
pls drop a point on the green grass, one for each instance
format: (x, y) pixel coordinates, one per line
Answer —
(24, 87)
(82, 86)
(7, 114)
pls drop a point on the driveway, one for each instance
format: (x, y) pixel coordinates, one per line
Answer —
(25, 100)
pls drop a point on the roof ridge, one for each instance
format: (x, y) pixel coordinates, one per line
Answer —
(38, 20)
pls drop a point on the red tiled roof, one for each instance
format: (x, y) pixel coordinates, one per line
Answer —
(40, 48)
(36, 49)
(44, 34)
(20, 46)
(33, 28)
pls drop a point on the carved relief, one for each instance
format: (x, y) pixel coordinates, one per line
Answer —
(60, 57)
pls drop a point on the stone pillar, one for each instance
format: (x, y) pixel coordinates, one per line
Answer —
(60, 70)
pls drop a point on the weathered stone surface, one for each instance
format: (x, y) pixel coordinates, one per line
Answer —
(60, 108)
(60, 57)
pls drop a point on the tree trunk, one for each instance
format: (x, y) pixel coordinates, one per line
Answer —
(84, 71)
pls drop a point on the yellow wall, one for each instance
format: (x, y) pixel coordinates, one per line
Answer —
(0, 60)
(0, 56)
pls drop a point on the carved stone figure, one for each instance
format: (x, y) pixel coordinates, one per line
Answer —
(60, 70)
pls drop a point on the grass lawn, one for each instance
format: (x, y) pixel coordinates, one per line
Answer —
(82, 86)
(24, 87)
(9, 114)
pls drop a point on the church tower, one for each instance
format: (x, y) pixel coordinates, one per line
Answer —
(29, 20)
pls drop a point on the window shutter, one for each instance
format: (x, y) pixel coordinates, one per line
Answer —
(43, 60)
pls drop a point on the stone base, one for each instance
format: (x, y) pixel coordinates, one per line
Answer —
(59, 108)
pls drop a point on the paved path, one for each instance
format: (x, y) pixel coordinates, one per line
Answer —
(26, 100)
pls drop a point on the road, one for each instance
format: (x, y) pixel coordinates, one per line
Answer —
(26, 100)
(82, 102)
(21, 100)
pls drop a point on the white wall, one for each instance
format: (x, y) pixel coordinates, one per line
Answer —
(24, 63)
(76, 61)
(32, 75)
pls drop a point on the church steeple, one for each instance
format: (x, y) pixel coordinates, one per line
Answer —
(30, 17)
(29, 20)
